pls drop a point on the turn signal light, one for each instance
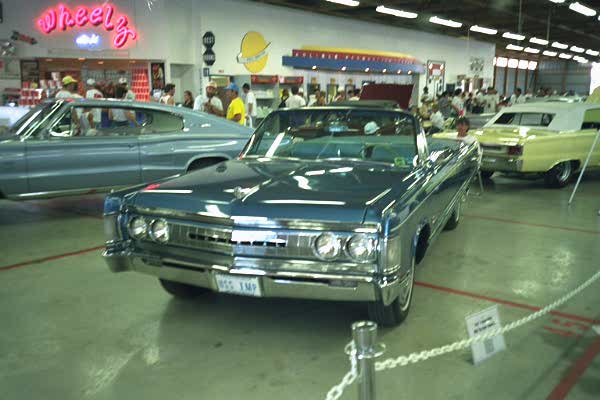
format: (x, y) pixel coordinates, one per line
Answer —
(515, 150)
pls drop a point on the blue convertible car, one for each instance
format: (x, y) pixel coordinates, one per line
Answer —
(332, 203)
(74, 147)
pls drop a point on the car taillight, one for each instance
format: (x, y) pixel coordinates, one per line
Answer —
(515, 150)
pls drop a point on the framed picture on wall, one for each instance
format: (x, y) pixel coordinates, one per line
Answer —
(158, 75)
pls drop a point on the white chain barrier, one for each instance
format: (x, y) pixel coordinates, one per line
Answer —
(348, 379)
(401, 361)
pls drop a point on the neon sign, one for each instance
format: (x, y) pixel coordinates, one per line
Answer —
(62, 18)
(87, 41)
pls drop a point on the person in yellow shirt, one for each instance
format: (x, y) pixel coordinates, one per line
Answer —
(236, 111)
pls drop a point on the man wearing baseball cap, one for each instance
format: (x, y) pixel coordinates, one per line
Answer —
(210, 104)
(130, 96)
(69, 89)
(236, 111)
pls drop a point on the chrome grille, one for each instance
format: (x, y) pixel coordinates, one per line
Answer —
(201, 237)
(253, 243)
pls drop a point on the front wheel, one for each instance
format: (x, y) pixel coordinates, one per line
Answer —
(560, 175)
(396, 312)
(181, 290)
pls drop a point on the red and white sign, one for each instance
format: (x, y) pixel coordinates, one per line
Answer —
(61, 18)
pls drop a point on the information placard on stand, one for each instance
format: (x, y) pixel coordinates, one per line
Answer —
(479, 324)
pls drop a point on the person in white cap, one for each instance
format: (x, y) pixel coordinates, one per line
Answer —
(94, 93)
(130, 96)
(69, 89)
(210, 104)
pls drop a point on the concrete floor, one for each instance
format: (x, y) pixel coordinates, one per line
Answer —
(70, 329)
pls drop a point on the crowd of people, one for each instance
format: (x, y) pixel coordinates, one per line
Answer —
(456, 104)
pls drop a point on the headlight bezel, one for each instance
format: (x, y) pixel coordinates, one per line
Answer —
(342, 252)
(131, 230)
(371, 245)
(153, 234)
(338, 246)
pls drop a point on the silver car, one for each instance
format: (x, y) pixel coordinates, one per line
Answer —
(75, 147)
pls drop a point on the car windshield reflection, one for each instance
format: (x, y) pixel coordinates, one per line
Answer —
(337, 134)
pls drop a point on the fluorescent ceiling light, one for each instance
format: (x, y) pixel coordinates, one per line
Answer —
(396, 13)
(531, 50)
(559, 45)
(557, 1)
(513, 36)
(513, 63)
(350, 3)
(580, 59)
(565, 56)
(532, 65)
(592, 53)
(581, 9)
(542, 42)
(445, 22)
(577, 49)
(481, 29)
(523, 64)
(549, 53)
(513, 47)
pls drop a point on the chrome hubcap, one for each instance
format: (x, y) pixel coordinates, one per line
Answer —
(564, 171)
(407, 287)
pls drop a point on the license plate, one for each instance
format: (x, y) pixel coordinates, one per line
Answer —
(245, 286)
(489, 160)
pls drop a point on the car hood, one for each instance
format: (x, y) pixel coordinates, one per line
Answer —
(509, 135)
(349, 192)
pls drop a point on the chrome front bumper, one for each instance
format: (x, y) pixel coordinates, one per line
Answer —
(301, 285)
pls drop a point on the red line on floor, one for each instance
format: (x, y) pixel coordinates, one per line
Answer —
(569, 381)
(504, 302)
(51, 258)
(512, 221)
(562, 332)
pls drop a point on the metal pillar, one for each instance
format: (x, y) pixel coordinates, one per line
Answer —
(587, 161)
(364, 334)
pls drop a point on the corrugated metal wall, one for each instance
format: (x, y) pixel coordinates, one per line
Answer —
(564, 76)
(509, 79)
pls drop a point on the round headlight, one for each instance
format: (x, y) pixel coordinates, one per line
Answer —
(327, 246)
(361, 247)
(138, 227)
(159, 231)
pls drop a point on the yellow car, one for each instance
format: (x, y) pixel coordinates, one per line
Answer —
(549, 139)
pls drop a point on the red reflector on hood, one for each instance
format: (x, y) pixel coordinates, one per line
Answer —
(152, 186)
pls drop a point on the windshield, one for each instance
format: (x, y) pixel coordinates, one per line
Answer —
(356, 134)
(34, 118)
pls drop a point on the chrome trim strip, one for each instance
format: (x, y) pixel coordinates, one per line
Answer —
(260, 222)
(59, 193)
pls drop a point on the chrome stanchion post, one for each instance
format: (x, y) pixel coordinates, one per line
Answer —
(364, 334)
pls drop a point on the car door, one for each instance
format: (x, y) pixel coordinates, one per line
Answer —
(13, 167)
(167, 146)
(76, 155)
(445, 176)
